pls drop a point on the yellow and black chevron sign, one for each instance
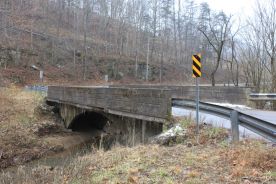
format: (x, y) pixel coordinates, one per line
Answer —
(197, 65)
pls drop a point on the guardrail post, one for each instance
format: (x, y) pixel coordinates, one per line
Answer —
(234, 117)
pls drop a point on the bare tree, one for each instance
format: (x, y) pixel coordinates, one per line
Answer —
(233, 60)
(163, 33)
(86, 12)
(266, 18)
(217, 33)
(252, 59)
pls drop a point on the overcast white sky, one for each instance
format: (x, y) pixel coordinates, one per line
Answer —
(242, 7)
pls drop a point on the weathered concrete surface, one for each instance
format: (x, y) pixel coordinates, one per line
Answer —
(218, 94)
(129, 131)
(234, 95)
(144, 104)
(126, 116)
(68, 113)
(116, 129)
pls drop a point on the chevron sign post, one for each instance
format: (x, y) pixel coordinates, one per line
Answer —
(196, 66)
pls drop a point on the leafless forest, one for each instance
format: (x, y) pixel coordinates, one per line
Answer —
(136, 41)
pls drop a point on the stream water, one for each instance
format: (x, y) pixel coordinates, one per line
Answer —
(76, 145)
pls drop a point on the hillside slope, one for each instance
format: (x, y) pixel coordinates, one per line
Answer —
(45, 35)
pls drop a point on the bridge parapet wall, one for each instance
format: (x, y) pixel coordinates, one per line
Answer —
(143, 103)
(218, 94)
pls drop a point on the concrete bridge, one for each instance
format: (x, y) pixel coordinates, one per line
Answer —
(129, 114)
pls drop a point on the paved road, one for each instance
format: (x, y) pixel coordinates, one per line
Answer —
(214, 120)
(269, 116)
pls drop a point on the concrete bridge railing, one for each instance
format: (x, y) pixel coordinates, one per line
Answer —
(217, 94)
(144, 104)
(128, 116)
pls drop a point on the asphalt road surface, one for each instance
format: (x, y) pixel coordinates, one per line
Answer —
(269, 116)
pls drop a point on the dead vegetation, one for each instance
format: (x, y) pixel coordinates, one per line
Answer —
(209, 159)
(21, 129)
(251, 159)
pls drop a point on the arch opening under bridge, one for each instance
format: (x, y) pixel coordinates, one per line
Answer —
(88, 121)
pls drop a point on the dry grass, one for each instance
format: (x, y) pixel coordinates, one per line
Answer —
(155, 164)
(208, 134)
(18, 141)
(251, 159)
(19, 101)
(213, 161)
(209, 159)
(16, 118)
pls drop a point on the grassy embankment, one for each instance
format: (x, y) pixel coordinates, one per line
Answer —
(212, 160)
(27, 131)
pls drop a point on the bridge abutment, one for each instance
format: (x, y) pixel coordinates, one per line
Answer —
(130, 131)
(114, 129)
(68, 113)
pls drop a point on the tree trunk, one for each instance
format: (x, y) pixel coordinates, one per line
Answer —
(85, 20)
(217, 65)
(179, 33)
(273, 86)
(175, 33)
(147, 72)
(213, 79)
(161, 66)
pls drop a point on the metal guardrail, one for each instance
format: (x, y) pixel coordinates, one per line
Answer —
(43, 89)
(259, 126)
(263, 96)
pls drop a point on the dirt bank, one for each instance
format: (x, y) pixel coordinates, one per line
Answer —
(210, 160)
(28, 130)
